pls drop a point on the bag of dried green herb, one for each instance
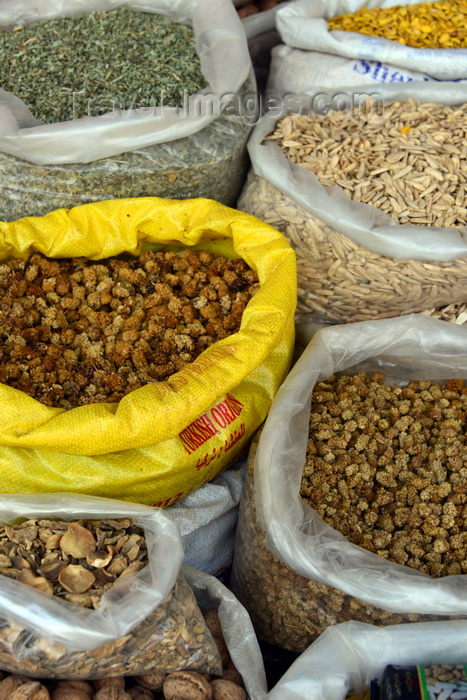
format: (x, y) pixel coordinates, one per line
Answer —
(108, 101)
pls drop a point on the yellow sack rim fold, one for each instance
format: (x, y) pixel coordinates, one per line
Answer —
(152, 413)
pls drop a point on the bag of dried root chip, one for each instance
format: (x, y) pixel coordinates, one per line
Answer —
(372, 199)
(351, 657)
(355, 498)
(143, 343)
(92, 587)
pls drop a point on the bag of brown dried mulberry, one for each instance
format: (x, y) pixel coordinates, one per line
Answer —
(143, 343)
(356, 494)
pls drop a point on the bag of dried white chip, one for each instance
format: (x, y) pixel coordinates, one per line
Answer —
(92, 587)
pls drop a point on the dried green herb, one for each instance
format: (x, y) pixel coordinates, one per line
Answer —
(211, 163)
(72, 67)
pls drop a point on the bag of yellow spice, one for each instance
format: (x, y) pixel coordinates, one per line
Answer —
(413, 40)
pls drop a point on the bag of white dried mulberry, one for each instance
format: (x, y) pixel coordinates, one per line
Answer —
(297, 574)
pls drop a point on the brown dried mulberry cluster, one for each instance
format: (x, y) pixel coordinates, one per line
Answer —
(75, 331)
(387, 467)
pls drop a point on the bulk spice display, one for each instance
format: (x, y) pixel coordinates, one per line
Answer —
(60, 66)
(441, 25)
(410, 162)
(77, 331)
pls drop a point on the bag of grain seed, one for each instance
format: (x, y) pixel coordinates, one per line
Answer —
(384, 465)
(349, 658)
(165, 112)
(371, 198)
(92, 587)
(411, 40)
(103, 394)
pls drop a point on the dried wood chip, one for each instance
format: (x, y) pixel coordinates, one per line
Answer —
(77, 541)
(76, 579)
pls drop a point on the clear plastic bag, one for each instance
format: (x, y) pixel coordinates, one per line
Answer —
(145, 622)
(295, 574)
(347, 657)
(237, 629)
(197, 151)
(232, 631)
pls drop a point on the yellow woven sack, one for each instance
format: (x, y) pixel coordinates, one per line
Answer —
(165, 439)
